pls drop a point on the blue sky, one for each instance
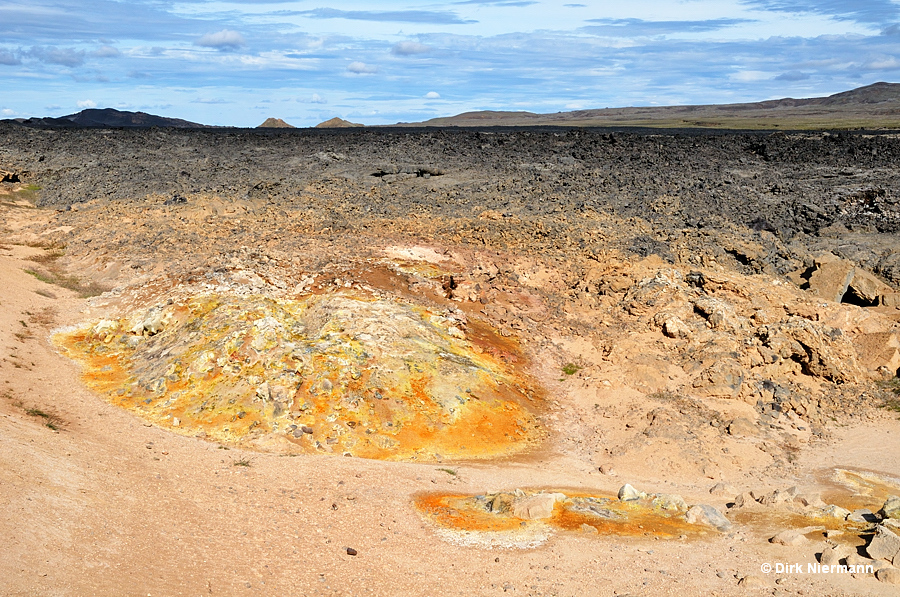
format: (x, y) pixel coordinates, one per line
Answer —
(237, 63)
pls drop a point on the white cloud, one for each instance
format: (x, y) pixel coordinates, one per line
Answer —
(61, 56)
(317, 99)
(222, 40)
(361, 68)
(106, 52)
(409, 48)
(883, 63)
(7, 112)
(87, 104)
(8, 58)
(750, 75)
(432, 95)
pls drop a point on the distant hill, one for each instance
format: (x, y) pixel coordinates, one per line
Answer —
(111, 118)
(337, 123)
(275, 123)
(872, 106)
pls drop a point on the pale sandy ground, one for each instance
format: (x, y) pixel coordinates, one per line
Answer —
(108, 505)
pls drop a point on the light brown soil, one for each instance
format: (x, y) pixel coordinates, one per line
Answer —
(106, 503)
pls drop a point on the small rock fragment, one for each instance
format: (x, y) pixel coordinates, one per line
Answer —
(351, 551)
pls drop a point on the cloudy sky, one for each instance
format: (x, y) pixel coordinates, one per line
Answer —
(379, 62)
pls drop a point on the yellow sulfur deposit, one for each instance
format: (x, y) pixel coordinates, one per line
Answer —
(337, 373)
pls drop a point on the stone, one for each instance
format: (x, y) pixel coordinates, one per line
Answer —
(742, 427)
(779, 496)
(627, 493)
(890, 299)
(885, 545)
(879, 351)
(351, 551)
(833, 554)
(707, 515)
(789, 537)
(586, 528)
(723, 379)
(795, 536)
(891, 508)
(673, 327)
(502, 503)
(606, 469)
(821, 350)
(535, 507)
(672, 502)
(862, 515)
(751, 581)
(890, 576)
(833, 511)
(720, 489)
(744, 500)
(854, 559)
(866, 288)
(831, 278)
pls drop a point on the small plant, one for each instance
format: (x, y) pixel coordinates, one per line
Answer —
(449, 471)
(571, 369)
(242, 462)
(50, 420)
(51, 276)
(48, 257)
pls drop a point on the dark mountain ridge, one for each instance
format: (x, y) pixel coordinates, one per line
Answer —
(111, 118)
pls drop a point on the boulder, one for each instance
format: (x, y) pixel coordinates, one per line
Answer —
(822, 351)
(879, 349)
(627, 493)
(833, 511)
(707, 515)
(890, 576)
(535, 507)
(670, 502)
(831, 277)
(833, 554)
(891, 508)
(885, 545)
(866, 289)
(673, 327)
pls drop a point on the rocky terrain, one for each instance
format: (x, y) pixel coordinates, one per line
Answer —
(441, 361)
